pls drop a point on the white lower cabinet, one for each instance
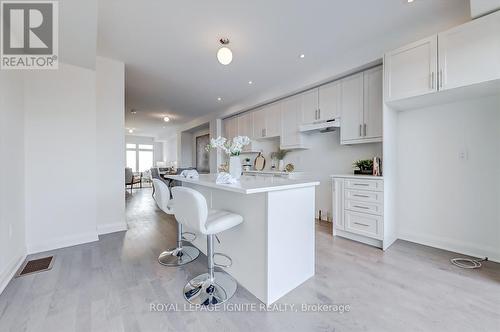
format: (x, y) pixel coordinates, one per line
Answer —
(358, 208)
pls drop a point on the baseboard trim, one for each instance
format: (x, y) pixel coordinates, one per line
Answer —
(359, 238)
(112, 228)
(7, 275)
(450, 245)
(62, 242)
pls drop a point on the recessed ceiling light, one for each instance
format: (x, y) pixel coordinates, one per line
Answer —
(410, 1)
(130, 131)
(250, 82)
(166, 119)
(224, 54)
(133, 111)
(219, 98)
(302, 56)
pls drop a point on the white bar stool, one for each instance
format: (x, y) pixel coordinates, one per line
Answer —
(180, 255)
(191, 210)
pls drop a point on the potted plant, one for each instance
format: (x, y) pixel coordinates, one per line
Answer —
(280, 155)
(364, 166)
(232, 148)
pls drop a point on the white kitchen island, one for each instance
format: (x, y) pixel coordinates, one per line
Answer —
(273, 249)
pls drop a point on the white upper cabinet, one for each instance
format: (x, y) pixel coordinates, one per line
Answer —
(291, 118)
(411, 70)
(465, 56)
(245, 124)
(259, 123)
(372, 103)
(273, 120)
(329, 101)
(470, 53)
(351, 126)
(362, 107)
(230, 127)
(267, 121)
(309, 106)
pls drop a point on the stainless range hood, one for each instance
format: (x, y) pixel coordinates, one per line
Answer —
(327, 126)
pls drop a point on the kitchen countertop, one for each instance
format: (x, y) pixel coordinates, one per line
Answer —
(361, 176)
(248, 184)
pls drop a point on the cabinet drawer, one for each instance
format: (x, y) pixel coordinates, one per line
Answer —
(365, 196)
(364, 224)
(364, 207)
(375, 185)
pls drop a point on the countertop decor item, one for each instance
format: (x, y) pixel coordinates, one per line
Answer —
(232, 148)
(280, 155)
(289, 168)
(260, 162)
(364, 166)
(377, 166)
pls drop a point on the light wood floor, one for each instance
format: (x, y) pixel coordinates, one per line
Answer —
(109, 286)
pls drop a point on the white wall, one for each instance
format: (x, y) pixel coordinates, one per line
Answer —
(60, 151)
(110, 123)
(443, 201)
(170, 150)
(12, 218)
(158, 152)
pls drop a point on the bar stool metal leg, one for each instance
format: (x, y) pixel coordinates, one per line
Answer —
(180, 255)
(212, 287)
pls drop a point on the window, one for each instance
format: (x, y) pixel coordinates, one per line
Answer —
(139, 156)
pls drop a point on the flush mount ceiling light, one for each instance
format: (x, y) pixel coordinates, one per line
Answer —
(302, 56)
(219, 98)
(166, 119)
(224, 54)
(130, 131)
(250, 82)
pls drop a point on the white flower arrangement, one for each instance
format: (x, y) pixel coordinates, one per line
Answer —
(230, 147)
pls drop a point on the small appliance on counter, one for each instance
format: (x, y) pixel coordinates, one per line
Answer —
(247, 165)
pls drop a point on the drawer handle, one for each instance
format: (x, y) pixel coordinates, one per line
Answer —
(361, 207)
(357, 195)
(361, 224)
(361, 184)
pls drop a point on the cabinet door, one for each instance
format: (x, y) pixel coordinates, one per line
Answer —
(351, 125)
(245, 125)
(411, 70)
(338, 204)
(470, 53)
(291, 117)
(309, 106)
(329, 101)
(273, 120)
(372, 104)
(259, 123)
(231, 127)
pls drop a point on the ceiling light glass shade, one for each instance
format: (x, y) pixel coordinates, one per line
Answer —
(224, 55)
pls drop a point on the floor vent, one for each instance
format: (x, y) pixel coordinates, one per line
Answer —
(36, 265)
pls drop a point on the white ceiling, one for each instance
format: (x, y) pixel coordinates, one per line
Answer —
(169, 48)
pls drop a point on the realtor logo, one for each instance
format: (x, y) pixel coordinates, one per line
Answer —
(29, 35)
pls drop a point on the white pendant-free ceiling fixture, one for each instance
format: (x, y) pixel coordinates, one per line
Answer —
(166, 119)
(224, 54)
